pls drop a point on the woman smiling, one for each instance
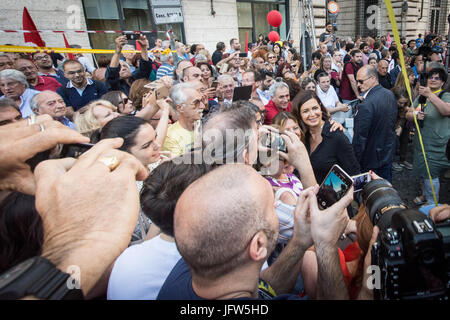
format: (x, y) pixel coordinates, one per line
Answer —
(325, 148)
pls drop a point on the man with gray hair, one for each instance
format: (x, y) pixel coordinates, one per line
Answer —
(14, 86)
(225, 89)
(188, 103)
(280, 101)
(51, 103)
(374, 139)
(166, 69)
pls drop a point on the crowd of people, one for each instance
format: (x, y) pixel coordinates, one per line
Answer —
(176, 195)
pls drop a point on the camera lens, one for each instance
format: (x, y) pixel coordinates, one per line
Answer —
(381, 202)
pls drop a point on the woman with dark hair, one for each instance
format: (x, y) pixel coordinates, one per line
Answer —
(21, 230)
(434, 115)
(402, 128)
(139, 137)
(325, 148)
(278, 50)
(261, 41)
(282, 69)
(207, 73)
(120, 100)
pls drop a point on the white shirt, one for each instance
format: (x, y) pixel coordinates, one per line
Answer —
(329, 100)
(86, 64)
(264, 96)
(140, 271)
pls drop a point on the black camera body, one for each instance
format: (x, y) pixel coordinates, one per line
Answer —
(412, 253)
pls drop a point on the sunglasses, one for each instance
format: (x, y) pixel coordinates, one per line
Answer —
(435, 78)
(124, 101)
(362, 81)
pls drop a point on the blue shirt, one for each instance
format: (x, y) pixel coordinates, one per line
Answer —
(165, 69)
(78, 98)
(178, 286)
(65, 121)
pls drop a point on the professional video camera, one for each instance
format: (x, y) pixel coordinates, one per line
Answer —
(412, 252)
(428, 47)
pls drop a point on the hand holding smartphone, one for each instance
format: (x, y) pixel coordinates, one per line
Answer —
(334, 187)
(360, 180)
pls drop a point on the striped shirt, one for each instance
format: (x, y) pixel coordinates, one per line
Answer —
(164, 70)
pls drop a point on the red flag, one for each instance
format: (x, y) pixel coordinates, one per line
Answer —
(28, 24)
(388, 42)
(138, 46)
(69, 55)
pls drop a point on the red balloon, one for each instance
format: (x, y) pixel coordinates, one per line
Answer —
(274, 18)
(274, 36)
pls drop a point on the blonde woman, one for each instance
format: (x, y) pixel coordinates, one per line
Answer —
(94, 116)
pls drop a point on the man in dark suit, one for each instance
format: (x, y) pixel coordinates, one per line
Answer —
(374, 132)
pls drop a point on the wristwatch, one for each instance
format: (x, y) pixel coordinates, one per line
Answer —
(38, 277)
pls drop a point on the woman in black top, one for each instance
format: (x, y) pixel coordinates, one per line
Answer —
(325, 148)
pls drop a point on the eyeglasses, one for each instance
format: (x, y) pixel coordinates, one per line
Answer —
(71, 73)
(271, 57)
(362, 81)
(42, 57)
(435, 78)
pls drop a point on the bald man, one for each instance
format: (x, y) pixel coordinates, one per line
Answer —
(384, 78)
(225, 228)
(374, 137)
(191, 73)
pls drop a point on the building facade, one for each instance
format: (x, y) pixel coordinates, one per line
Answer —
(210, 21)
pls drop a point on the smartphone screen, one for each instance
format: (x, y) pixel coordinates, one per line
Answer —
(273, 140)
(334, 187)
(243, 54)
(359, 181)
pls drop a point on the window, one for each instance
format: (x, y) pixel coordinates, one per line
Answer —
(252, 18)
(123, 15)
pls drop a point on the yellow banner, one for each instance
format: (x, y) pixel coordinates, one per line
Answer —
(408, 87)
(25, 49)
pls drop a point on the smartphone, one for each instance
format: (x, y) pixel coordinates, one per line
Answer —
(243, 55)
(360, 180)
(215, 84)
(133, 36)
(273, 140)
(74, 150)
(242, 93)
(224, 68)
(162, 92)
(60, 151)
(334, 187)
